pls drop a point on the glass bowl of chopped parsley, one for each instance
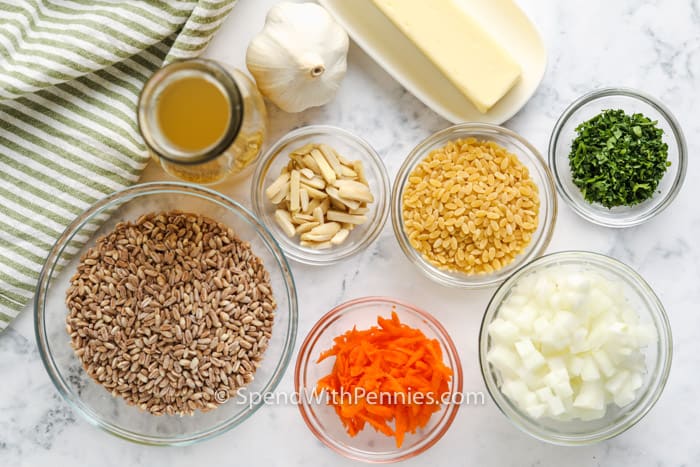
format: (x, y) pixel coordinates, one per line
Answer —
(618, 157)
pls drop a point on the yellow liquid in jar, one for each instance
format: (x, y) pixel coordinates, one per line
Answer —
(193, 113)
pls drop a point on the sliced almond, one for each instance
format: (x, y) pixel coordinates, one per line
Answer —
(360, 210)
(340, 236)
(313, 204)
(319, 215)
(307, 173)
(284, 220)
(296, 161)
(306, 227)
(299, 218)
(346, 162)
(314, 193)
(329, 228)
(337, 205)
(304, 199)
(339, 216)
(277, 185)
(281, 194)
(326, 170)
(348, 172)
(309, 162)
(360, 170)
(345, 183)
(294, 191)
(335, 194)
(305, 149)
(325, 205)
(350, 189)
(314, 182)
(309, 237)
(332, 159)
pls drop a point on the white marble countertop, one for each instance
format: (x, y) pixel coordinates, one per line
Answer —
(653, 46)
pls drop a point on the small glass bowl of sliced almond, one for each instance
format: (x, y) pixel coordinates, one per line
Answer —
(322, 191)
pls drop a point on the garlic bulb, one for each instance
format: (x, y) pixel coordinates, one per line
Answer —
(300, 57)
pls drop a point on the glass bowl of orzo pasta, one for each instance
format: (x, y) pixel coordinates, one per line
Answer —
(161, 310)
(472, 203)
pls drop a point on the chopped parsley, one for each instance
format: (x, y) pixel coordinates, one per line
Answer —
(618, 159)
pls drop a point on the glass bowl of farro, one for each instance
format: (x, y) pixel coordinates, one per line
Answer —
(472, 203)
(162, 309)
(322, 191)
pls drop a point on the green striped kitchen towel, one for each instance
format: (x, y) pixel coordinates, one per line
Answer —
(70, 76)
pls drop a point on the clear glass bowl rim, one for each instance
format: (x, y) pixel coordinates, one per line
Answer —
(656, 307)
(419, 151)
(119, 197)
(319, 328)
(263, 166)
(640, 96)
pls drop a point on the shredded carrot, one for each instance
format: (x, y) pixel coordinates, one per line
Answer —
(390, 377)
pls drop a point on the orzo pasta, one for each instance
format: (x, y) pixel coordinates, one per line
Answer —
(470, 206)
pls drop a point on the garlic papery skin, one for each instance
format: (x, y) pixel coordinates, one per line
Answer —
(299, 58)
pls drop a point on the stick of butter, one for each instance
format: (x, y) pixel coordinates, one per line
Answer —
(458, 45)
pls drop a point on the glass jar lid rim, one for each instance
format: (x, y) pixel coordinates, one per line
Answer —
(158, 82)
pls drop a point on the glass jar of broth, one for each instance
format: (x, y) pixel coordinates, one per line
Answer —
(202, 120)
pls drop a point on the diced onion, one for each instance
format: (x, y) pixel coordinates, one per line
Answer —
(568, 344)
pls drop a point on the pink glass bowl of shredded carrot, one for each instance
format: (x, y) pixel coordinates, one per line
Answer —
(378, 380)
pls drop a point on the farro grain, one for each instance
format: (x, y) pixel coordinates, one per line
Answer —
(148, 305)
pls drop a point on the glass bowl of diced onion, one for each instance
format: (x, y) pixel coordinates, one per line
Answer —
(350, 149)
(588, 367)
